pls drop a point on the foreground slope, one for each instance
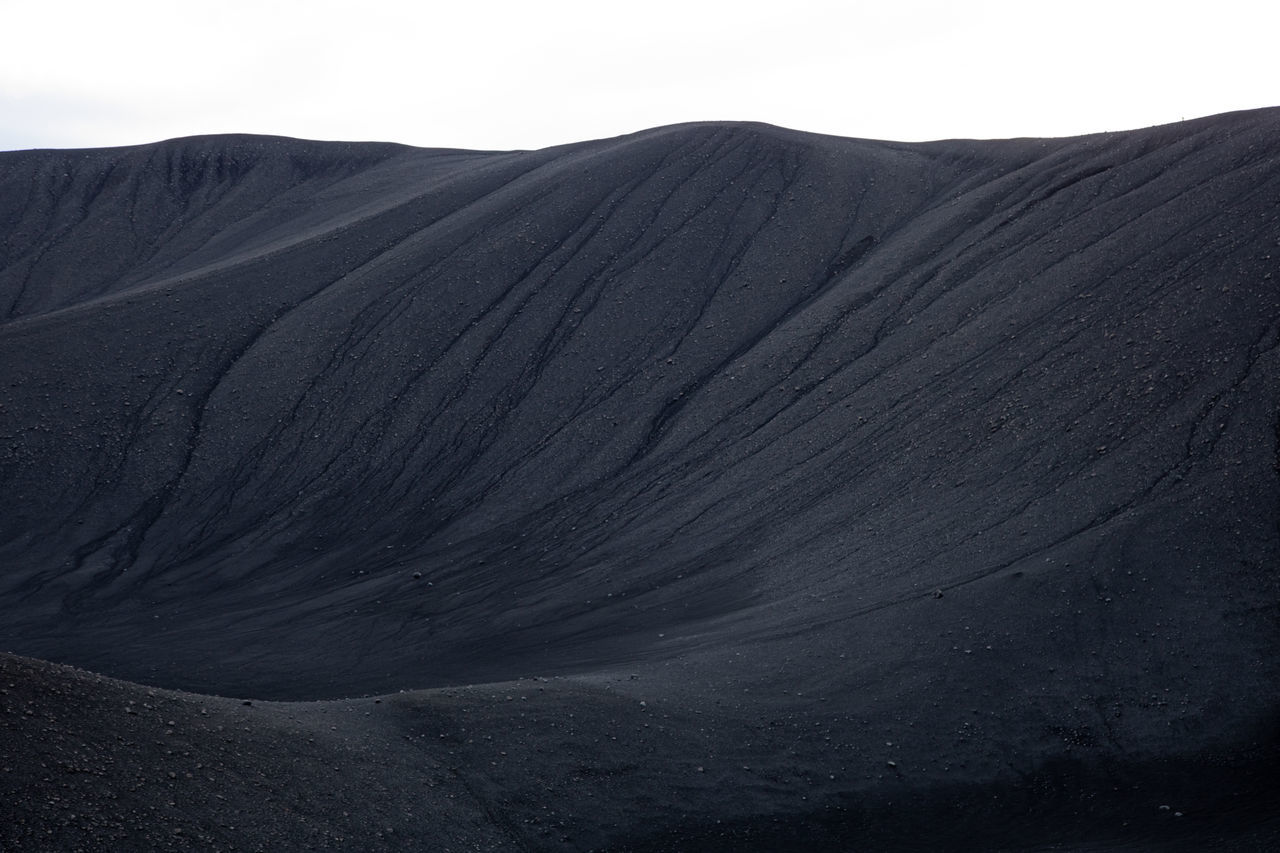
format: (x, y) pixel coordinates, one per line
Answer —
(546, 764)
(882, 469)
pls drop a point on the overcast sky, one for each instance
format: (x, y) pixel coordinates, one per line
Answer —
(499, 75)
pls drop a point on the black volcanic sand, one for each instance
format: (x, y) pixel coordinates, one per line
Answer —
(719, 487)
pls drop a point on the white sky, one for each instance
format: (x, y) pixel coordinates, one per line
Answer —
(499, 75)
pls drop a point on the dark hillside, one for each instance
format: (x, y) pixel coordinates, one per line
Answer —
(881, 472)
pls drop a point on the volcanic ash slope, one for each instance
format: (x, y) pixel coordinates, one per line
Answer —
(718, 482)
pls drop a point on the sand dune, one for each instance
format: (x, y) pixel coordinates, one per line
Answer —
(715, 487)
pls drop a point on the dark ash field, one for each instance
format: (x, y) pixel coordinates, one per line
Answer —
(718, 487)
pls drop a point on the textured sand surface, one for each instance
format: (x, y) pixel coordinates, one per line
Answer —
(715, 487)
